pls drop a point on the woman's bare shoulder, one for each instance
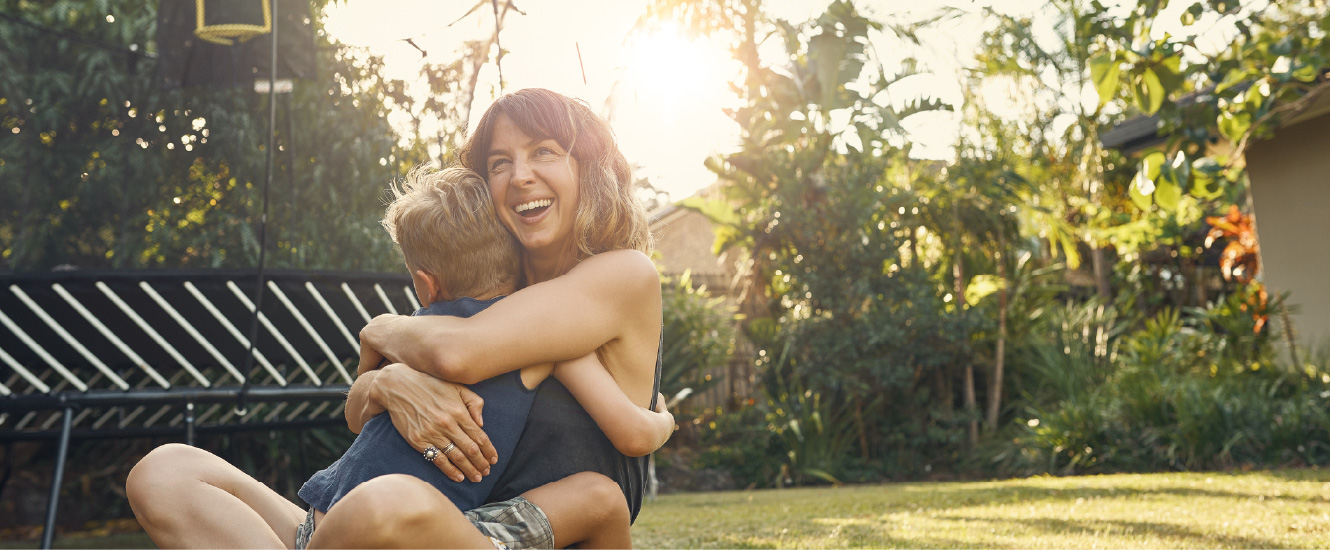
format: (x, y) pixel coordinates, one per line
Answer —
(627, 266)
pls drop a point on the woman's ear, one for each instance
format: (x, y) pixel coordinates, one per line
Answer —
(429, 288)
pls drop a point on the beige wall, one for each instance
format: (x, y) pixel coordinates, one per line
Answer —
(1290, 183)
(684, 239)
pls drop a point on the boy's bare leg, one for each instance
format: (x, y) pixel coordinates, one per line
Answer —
(586, 509)
(396, 511)
(186, 497)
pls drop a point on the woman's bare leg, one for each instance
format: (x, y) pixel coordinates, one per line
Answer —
(189, 498)
(396, 511)
(586, 509)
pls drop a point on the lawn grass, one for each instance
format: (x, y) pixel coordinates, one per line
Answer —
(1282, 509)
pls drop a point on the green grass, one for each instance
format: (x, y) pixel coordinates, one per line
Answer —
(1284, 509)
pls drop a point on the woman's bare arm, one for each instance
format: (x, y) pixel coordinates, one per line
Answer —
(601, 299)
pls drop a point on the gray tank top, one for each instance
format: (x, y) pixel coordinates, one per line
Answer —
(560, 439)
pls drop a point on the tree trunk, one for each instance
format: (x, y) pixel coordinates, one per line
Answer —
(995, 385)
(1102, 286)
(942, 386)
(1198, 283)
(971, 404)
(914, 248)
(863, 433)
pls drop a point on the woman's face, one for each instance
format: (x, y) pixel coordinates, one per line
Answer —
(534, 186)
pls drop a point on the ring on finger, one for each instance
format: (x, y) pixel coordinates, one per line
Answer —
(448, 448)
(432, 453)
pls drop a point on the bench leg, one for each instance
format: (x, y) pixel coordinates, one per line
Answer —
(48, 533)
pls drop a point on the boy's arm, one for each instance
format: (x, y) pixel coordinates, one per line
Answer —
(633, 430)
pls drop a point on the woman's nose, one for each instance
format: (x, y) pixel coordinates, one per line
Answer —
(522, 172)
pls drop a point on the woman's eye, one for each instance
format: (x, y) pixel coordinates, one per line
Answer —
(497, 164)
(543, 151)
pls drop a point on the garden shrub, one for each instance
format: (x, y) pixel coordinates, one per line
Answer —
(1183, 392)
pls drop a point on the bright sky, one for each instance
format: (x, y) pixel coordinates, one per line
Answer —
(664, 95)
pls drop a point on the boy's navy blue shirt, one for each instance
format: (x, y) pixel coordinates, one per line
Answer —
(381, 450)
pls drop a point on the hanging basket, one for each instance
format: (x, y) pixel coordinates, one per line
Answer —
(229, 33)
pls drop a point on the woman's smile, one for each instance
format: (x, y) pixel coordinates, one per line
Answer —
(532, 209)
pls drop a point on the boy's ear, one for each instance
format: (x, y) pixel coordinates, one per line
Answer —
(428, 287)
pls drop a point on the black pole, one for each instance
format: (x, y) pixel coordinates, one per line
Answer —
(241, 409)
(189, 423)
(66, 426)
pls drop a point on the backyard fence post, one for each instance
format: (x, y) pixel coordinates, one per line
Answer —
(67, 423)
(189, 422)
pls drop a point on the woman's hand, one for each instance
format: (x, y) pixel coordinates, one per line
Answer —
(430, 412)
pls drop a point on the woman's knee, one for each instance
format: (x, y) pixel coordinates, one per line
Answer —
(392, 502)
(161, 469)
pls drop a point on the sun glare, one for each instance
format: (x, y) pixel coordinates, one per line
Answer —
(676, 73)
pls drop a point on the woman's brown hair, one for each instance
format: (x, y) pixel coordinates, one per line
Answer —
(609, 216)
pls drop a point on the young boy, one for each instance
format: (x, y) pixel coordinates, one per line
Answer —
(462, 260)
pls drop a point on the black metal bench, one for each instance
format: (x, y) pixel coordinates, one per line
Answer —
(151, 353)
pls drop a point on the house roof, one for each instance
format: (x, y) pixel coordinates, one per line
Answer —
(1133, 135)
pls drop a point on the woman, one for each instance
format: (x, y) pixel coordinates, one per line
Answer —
(561, 186)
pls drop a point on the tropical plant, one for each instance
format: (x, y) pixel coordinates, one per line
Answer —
(100, 167)
(1273, 68)
(698, 340)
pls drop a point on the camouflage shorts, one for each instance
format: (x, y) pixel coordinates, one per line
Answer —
(305, 530)
(514, 524)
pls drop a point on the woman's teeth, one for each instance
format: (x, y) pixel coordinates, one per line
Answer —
(532, 205)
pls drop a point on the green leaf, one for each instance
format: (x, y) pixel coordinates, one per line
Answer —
(1231, 79)
(1139, 93)
(1169, 71)
(1151, 164)
(1204, 187)
(1140, 191)
(716, 210)
(1306, 72)
(1204, 179)
(1193, 12)
(763, 331)
(1181, 169)
(1154, 91)
(981, 286)
(821, 474)
(1104, 70)
(1167, 192)
(825, 53)
(1234, 126)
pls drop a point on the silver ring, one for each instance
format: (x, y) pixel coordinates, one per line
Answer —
(432, 453)
(450, 447)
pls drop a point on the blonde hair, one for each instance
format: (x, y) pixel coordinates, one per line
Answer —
(609, 216)
(444, 223)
